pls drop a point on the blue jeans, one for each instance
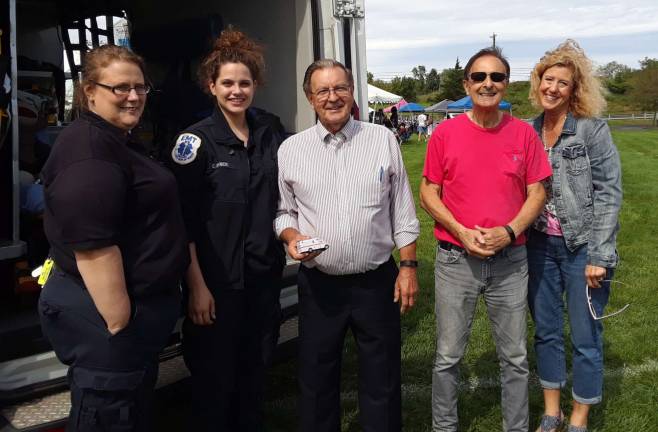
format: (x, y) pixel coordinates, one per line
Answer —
(554, 271)
(502, 280)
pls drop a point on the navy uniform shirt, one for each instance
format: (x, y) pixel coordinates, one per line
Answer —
(230, 195)
(100, 191)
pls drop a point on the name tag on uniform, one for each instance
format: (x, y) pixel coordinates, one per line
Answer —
(221, 164)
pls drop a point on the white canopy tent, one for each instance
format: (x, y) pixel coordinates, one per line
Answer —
(381, 96)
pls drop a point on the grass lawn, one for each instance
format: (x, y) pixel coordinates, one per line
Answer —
(631, 339)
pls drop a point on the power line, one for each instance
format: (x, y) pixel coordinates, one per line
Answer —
(389, 75)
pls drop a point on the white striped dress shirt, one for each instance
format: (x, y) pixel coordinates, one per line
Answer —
(349, 189)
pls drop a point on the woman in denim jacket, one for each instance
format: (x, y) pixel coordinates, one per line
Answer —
(572, 243)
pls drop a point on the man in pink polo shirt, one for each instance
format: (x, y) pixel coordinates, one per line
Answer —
(481, 184)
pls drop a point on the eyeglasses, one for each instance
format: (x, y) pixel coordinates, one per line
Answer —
(125, 89)
(591, 307)
(481, 76)
(340, 91)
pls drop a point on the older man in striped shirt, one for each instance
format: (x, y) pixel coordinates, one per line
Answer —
(344, 181)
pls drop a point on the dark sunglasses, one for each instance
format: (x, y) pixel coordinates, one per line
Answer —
(481, 76)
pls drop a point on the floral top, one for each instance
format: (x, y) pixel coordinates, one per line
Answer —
(547, 222)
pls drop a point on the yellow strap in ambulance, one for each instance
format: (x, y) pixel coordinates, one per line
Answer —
(45, 271)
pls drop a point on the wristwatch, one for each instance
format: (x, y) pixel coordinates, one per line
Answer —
(409, 263)
(510, 233)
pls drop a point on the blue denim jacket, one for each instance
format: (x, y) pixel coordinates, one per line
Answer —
(587, 187)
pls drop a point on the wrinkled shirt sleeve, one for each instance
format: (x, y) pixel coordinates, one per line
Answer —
(433, 169)
(607, 196)
(286, 215)
(87, 201)
(406, 226)
(191, 184)
(538, 167)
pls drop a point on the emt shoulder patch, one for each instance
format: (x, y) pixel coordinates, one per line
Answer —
(186, 148)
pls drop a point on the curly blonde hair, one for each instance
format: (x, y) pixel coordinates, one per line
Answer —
(587, 97)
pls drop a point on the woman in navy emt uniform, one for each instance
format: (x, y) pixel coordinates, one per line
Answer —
(226, 168)
(112, 297)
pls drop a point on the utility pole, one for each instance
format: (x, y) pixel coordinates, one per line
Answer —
(493, 36)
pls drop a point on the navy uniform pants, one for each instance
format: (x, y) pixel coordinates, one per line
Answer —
(328, 307)
(228, 358)
(111, 377)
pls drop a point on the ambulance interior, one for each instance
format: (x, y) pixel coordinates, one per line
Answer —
(172, 36)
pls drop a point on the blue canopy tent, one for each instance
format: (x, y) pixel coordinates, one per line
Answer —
(466, 103)
(412, 107)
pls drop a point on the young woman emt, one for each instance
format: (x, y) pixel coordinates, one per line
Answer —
(226, 168)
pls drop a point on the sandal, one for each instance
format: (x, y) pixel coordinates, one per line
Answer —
(552, 423)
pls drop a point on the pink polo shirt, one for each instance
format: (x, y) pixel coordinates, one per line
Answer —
(484, 172)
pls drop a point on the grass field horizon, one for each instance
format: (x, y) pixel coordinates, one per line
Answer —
(631, 339)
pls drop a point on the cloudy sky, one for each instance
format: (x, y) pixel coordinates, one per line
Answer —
(402, 34)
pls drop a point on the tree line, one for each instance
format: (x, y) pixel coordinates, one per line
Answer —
(446, 84)
(638, 86)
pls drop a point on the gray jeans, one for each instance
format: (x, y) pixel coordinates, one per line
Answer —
(503, 282)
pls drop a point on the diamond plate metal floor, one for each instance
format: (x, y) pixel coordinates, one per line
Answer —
(55, 407)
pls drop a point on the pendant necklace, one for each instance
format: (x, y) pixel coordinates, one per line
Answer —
(547, 149)
(544, 134)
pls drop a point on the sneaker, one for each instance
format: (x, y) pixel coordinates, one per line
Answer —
(552, 423)
(573, 428)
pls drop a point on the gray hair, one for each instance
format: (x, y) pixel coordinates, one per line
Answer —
(324, 64)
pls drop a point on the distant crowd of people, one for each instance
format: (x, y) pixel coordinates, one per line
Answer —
(422, 124)
(524, 215)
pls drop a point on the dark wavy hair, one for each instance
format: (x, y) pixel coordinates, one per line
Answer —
(232, 46)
